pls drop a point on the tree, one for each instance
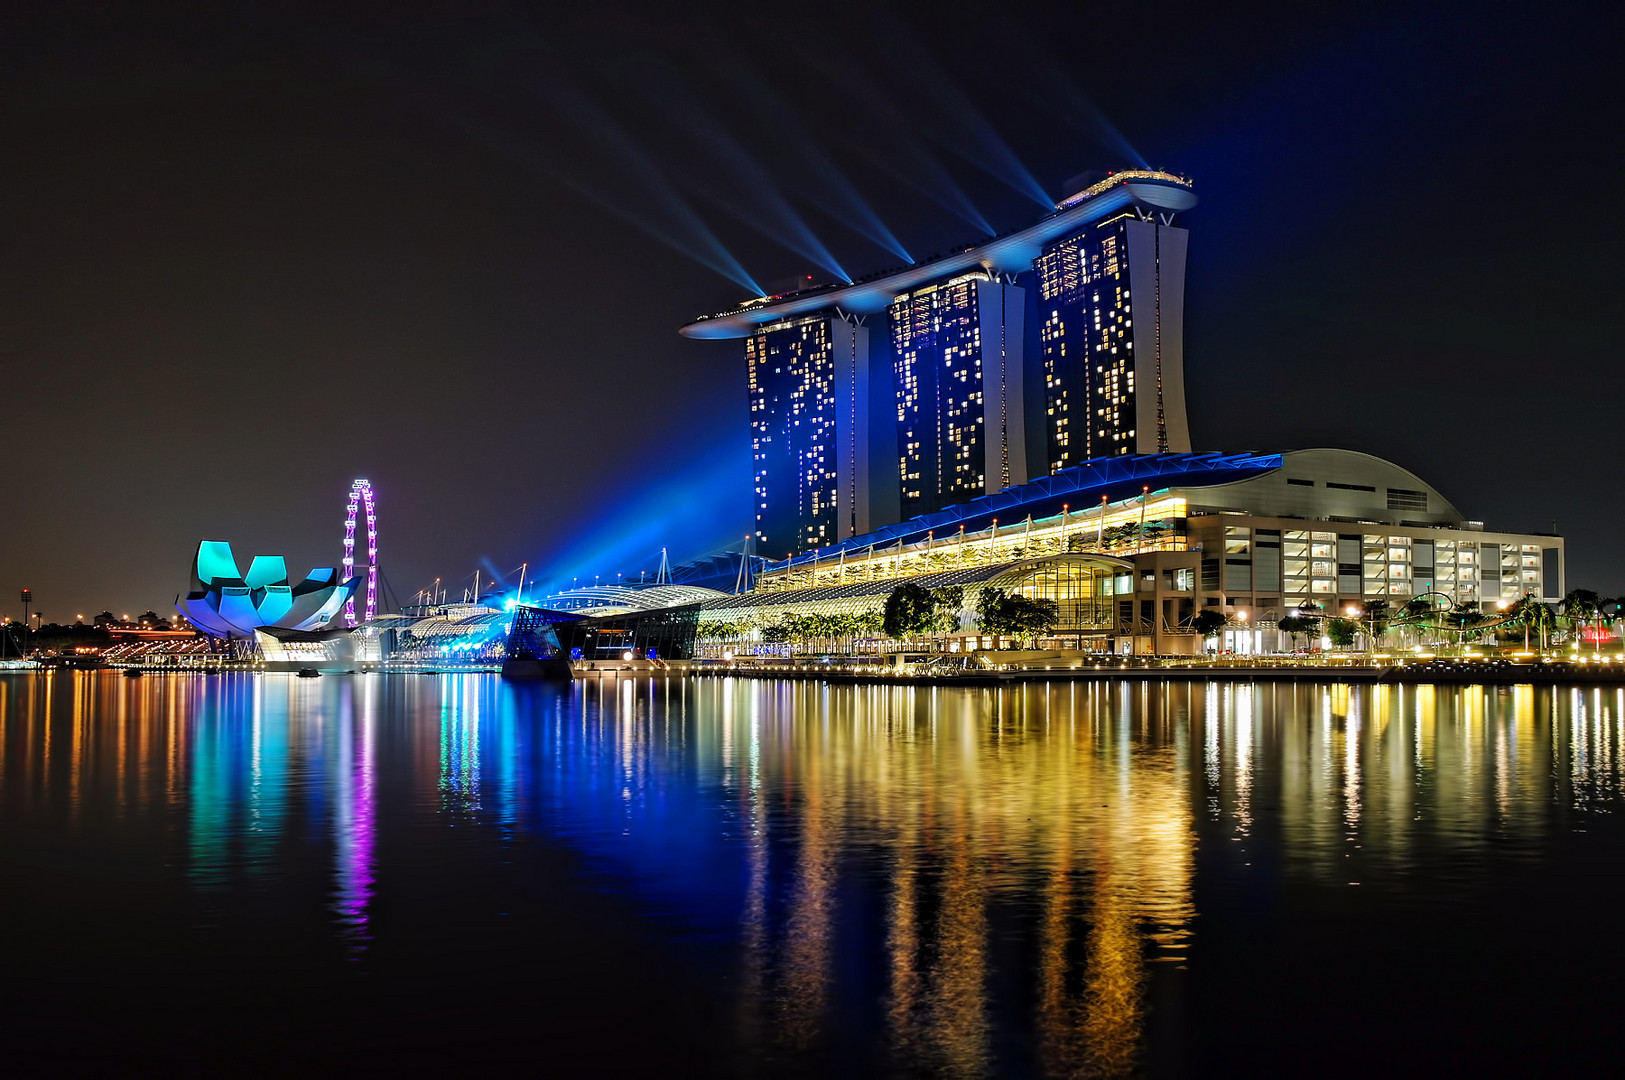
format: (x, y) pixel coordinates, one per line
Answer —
(1545, 622)
(1036, 617)
(909, 611)
(1580, 607)
(1535, 616)
(1208, 622)
(1377, 614)
(816, 627)
(987, 607)
(1341, 632)
(728, 630)
(1293, 625)
(947, 603)
(1117, 536)
(1608, 611)
(1464, 617)
(1418, 614)
(1002, 615)
(869, 623)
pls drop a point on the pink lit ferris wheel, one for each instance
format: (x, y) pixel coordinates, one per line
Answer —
(361, 504)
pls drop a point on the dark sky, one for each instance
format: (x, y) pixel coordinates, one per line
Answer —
(249, 255)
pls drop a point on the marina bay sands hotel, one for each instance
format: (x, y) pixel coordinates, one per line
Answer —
(1002, 362)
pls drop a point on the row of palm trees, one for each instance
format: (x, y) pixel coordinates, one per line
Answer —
(911, 612)
(1580, 609)
(819, 631)
(1583, 609)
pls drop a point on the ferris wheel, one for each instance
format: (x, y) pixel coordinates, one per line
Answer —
(361, 501)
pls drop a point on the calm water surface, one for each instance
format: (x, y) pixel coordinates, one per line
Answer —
(742, 877)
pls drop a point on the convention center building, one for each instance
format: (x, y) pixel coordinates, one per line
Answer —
(1130, 548)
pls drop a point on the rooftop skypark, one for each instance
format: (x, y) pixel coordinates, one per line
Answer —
(1008, 253)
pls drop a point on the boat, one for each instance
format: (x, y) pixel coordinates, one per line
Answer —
(309, 673)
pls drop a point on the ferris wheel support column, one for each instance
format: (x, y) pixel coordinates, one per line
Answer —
(361, 503)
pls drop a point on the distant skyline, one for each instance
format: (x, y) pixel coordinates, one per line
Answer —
(252, 255)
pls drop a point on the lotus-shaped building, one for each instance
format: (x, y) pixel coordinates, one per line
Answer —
(225, 602)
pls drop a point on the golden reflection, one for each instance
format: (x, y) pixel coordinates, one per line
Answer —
(1351, 757)
(904, 1006)
(1393, 747)
(79, 719)
(807, 957)
(978, 805)
(43, 688)
(1240, 708)
(1060, 1019)
(1083, 805)
(1425, 722)
(957, 1002)
(1114, 1005)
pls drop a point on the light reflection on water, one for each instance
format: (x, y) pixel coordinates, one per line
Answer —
(963, 881)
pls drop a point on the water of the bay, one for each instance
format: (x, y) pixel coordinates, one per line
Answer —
(452, 873)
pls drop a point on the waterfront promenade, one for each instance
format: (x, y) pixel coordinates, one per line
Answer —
(992, 670)
(1452, 672)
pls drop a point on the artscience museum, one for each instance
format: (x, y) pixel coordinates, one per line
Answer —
(227, 603)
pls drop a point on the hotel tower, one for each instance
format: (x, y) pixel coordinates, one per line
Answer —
(899, 394)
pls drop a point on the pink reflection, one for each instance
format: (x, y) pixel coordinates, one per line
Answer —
(354, 826)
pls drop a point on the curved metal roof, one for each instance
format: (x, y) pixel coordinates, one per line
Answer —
(619, 599)
(1012, 253)
(1116, 478)
(1331, 482)
(440, 625)
(969, 575)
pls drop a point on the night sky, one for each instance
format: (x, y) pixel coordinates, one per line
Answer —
(251, 255)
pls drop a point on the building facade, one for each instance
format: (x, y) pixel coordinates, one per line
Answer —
(808, 385)
(1113, 384)
(1336, 528)
(958, 372)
